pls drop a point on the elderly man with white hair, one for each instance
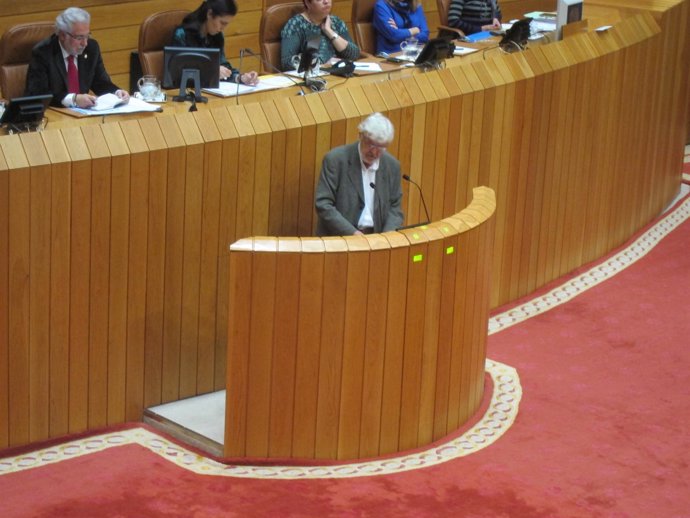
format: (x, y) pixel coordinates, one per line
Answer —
(69, 65)
(359, 189)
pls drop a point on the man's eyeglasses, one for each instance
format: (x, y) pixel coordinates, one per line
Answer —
(370, 143)
(79, 37)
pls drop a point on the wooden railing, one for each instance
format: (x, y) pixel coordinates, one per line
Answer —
(352, 347)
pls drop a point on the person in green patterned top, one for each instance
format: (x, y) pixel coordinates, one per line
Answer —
(335, 40)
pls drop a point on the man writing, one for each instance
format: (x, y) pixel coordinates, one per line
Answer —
(359, 189)
(69, 64)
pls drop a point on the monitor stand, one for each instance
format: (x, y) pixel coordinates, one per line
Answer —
(194, 76)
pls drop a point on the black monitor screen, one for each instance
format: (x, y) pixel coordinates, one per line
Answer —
(178, 59)
(435, 51)
(26, 109)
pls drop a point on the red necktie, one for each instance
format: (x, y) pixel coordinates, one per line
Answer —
(72, 76)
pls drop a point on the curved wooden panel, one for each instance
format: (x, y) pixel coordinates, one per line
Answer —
(393, 310)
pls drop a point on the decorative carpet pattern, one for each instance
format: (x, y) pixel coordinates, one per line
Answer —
(494, 423)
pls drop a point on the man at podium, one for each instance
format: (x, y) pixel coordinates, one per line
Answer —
(359, 189)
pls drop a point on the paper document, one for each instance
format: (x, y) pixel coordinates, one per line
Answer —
(106, 102)
(133, 106)
(461, 51)
(271, 82)
(365, 66)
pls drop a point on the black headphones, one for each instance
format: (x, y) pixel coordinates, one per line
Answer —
(342, 68)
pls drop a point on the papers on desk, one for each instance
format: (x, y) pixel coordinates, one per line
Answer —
(479, 36)
(365, 66)
(106, 107)
(461, 51)
(271, 82)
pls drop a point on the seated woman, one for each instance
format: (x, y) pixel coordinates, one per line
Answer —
(316, 22)
(204, 28)
(397, 20)
(472, 16)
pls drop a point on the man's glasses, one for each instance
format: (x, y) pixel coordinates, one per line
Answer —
(370, 143)
(79, 37)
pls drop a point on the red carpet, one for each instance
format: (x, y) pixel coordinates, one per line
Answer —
(601, 429)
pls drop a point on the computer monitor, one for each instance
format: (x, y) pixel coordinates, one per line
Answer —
(435, 51)
(25, 113)
(567, 11)
(181, 65)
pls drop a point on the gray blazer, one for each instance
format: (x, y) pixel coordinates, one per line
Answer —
(340, 194)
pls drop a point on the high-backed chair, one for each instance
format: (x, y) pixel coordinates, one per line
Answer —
(272, 21)
(155, 33)
(15, 54)
(363, 26)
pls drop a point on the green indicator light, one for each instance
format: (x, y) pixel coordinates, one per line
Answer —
(450, 250)
(415, 235)
(418, 258)
(446, 229)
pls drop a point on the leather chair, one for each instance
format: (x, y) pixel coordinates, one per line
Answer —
(15, 54)
(272, 21)
(156, 33)
(363, 27)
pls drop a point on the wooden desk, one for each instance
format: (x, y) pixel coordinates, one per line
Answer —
(113, 237)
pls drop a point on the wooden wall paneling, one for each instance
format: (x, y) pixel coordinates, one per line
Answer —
(262, 168)
(284, 353)
(80, 268)
(174, 253)
(4, 302)
(374, 346)
(19, 257)
(307, 356)
(323, 122)
(261, 335)
(277, 173)
(437, 99)
(155, 261)
(520, 181)
(391, 396)
(332, 345)
(414, 333)
(465, 175)
(60, 282)
(431, 330)
(287, 199)
(229, 171)
(308, 165)
(99, 195)
(119, 271)
(246, 164)
(391, 108)
(420, 156)
(209, 286)
(136, 268)
(446, 317)
(191, 252)
(339, 121)
(353, 116)
(354, 337)
(451, 165)
(39, 285)
(239, 316)
(397, 97)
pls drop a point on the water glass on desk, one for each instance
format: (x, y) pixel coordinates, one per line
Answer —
(410, 48)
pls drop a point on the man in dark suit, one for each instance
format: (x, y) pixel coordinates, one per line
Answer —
(69, 64)
(359, 189)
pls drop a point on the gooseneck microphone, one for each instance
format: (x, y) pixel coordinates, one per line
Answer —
(239, 79)
(275, 69)
(421, 195)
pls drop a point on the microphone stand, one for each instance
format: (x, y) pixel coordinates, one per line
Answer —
(421, 195)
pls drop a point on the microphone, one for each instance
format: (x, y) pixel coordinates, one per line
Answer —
(421, 195)
(274, 68)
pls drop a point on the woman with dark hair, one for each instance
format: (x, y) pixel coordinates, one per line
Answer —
(316, 23)
(471, 16)
(397, 20)
(204, 28)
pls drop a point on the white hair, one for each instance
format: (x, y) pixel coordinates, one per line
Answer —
(378, 128)
(67, 18)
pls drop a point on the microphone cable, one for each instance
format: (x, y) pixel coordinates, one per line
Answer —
(421, 195)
